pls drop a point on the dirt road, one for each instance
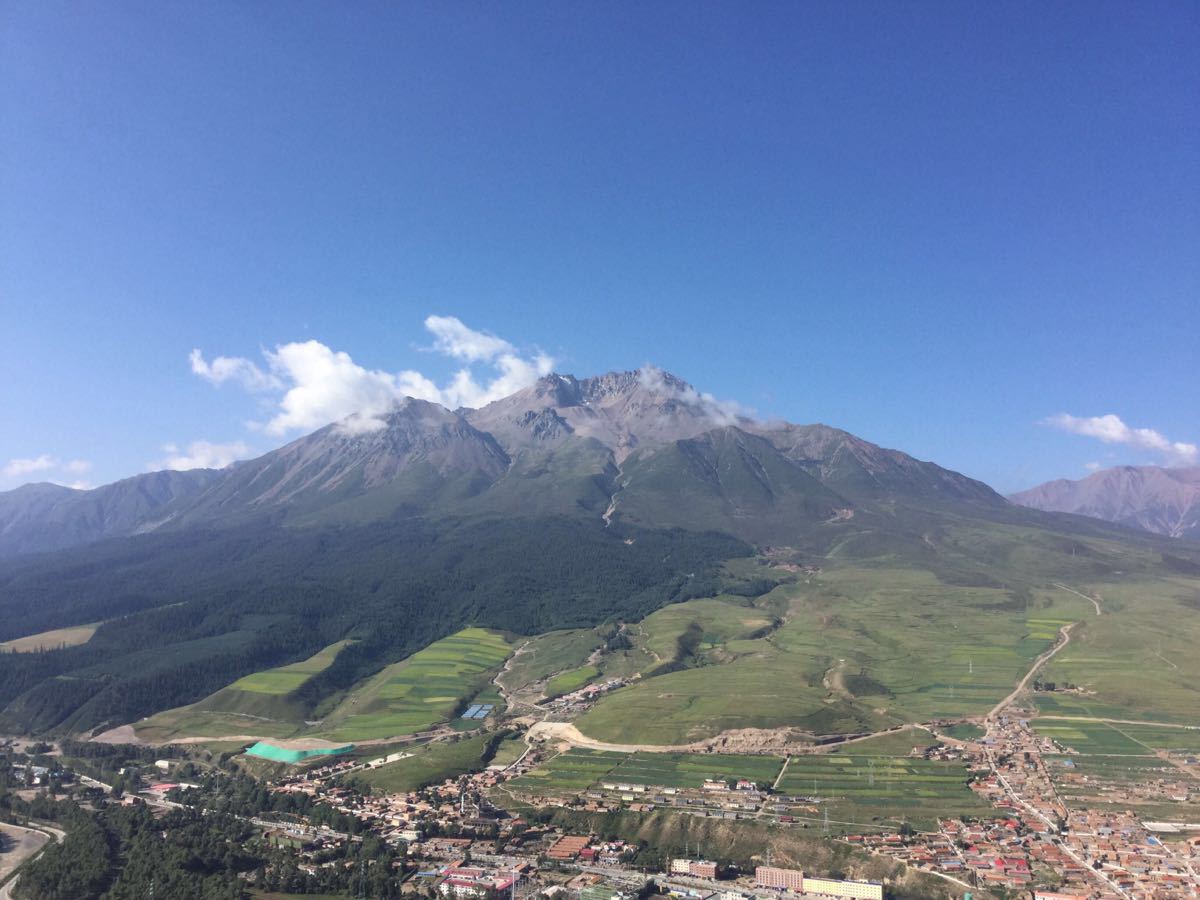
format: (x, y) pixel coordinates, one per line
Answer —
(1064, 638)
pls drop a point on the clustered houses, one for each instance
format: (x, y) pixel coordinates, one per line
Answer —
(1037, 844)
(1038, 839)
(580, 700)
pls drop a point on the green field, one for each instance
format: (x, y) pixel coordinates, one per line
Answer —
(690, 770)
(429, 764)
(575, 770)
(545, 655)
(1138, 658)
(572, 680)
(423, 690)
(1106, 758)
(286, 679)
(862, 789)
(858, 650)
(256, 705)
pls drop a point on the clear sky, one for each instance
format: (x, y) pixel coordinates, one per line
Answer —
(933, 224)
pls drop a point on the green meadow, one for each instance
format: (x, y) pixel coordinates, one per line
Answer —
(422, 691)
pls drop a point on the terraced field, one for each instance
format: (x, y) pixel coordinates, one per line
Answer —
(423, 690)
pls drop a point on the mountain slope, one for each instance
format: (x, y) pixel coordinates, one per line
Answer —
(1154, 499)
(39, 517)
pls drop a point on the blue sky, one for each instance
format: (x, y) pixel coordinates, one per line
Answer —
(932, 224)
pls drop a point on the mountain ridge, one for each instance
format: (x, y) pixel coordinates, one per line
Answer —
(1156, 499)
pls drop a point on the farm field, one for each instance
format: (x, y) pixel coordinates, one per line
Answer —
(254, 705)
(1138, 658)
(421, 691)
(50, 640)
(1117, 739)
(858, 650)
(429, 764)
(572, 680)
(690, 770)
(567, 773)
(861, 789)
(286, 679)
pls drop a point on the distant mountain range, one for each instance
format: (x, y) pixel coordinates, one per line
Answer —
(641, 447)
(1152, 498)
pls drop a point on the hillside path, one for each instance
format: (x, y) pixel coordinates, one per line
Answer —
(1092, 600)
(1064, 638)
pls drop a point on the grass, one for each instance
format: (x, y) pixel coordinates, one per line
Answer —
(51, 640)
(429, 764)
(571, 681)
(681, 770)
(257, 704)
(543, 656)
(286, 679)
(964, 731)
(859, 649)
(422, 691)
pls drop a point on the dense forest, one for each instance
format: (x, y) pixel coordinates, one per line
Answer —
(187, 613)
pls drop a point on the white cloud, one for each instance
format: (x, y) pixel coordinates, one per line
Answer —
(452, 337)
(318, 385)
(17, 468)
(721, 412)
(200, 455)
(233, 368)
(1111, 430)
(22, 469)
(1093, 466)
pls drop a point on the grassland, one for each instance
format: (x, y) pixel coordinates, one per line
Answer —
(1138, 659)
(429, 764)
(547, 654)
(427, 688)
(855, 649)
(51, 640)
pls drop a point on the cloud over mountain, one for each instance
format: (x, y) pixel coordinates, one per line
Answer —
(316, 384)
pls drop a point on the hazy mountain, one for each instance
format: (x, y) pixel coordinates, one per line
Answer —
(47, 516)
(1152, 498)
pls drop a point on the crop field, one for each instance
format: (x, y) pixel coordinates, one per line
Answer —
(861, 789)
(51, 640)
(571, 681)
(858, 650)
(421, 691)
(254, 705)
(429, 764)
(690, 770)
(1118, 739)
(571, 772)
(1138, 658)
(286, 679)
